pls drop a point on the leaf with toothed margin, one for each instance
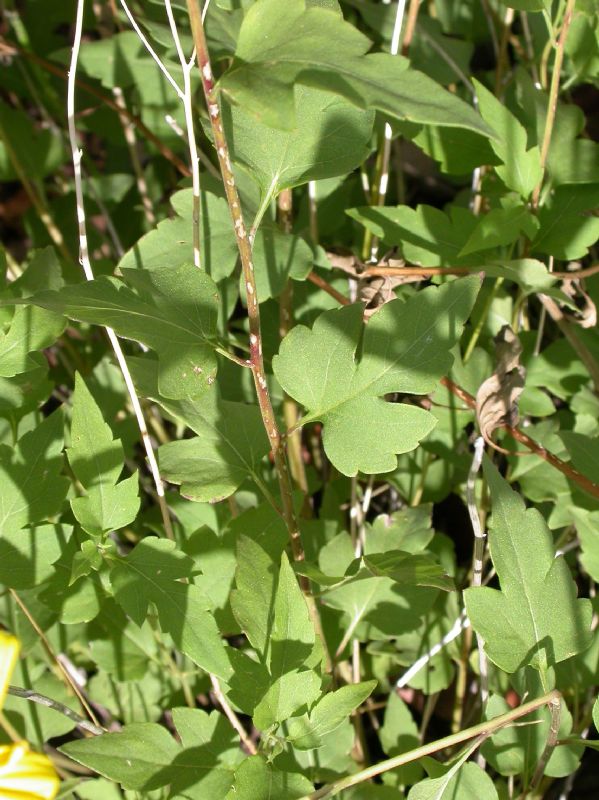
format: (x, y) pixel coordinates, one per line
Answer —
(403, 348)
(229, 444)
(152, 573)
(281, 45)
(535, 618)
(171, 310)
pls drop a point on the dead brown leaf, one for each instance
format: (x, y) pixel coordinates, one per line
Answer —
(586, 316)
(497, 397)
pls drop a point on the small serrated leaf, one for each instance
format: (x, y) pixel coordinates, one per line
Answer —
(97, 459)
(171, 310)
(535, 618)
(152, 573)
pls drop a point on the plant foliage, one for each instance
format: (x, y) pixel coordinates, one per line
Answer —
(332, 251)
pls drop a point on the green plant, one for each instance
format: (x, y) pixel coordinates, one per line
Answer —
(382, 252)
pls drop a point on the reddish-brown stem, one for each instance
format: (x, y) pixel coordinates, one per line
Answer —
(410, 26)
(408, 272)
(245, 252)
(577, 273)
(277, 446)
(314, 278)
(517, 434)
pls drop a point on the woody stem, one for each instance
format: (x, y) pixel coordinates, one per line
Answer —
(245, 252)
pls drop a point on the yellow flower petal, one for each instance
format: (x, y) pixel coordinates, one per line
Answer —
(9, 652)
(25, 775)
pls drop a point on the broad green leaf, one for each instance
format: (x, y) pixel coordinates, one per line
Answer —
(94, 455)
(120, 60)
(501, 226)
(39, 151)
(229, 444)
(98, 789)
(171, 242)
(256, 779)
(171, 310)
(577, 163)
(119, 647)
(282, 45)
(292, 634)
(584, 452)
(596, 714)
(252, 600)
(458, 152)
(106, 508)
(521, 169)
(144, 756)
(334, 755)
(31, 329)
(97, 461)
(331, 138)
(531, 275)
(31, 486)
(515, 750)
(212, 746)
(535, 618)
(381, 607)
(272, 612)
(404, 348)
(408, 529)
(587, 524)
(43, 271)
(289, 692)
(406, 569)
(87, 559)
(152, 573)
(426, 235)
(276, 255)
(420, 569)
(306, 732)
(567, 229)
(73, 602)
(26, 556)
(398, 734)
(444, 58)
(466, 782)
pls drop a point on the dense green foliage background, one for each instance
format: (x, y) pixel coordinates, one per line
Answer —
(396, 268)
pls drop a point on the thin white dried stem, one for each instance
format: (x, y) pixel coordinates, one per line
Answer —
(186, 98)
(479, 536)
(459, 625)
(313, 211)
(232, 716)
(88, 272)
(388, 135)
(131, 139)
(355, 525)
(142, 37)
(358, 512)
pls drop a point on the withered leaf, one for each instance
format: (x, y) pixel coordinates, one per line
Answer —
(586, 316)
(497, 397)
